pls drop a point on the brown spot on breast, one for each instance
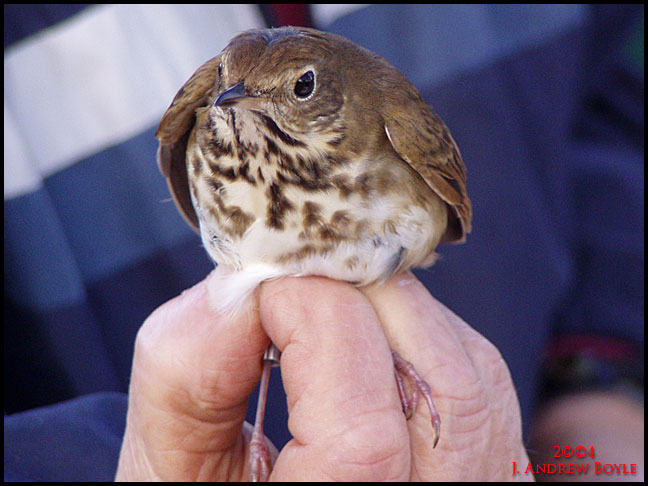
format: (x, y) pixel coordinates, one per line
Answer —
(244, 171)
(327, 233)
(311, 168)
(272, 147)
(226, 172)
(215, 184)
(341, 183)
(196, 165)
(312, 220)
(286, 161)
(233, 220)
(361, 227)
(215, 146)
(214, 212)
(308, 250)
(218, 208)
(278, 205)
(352, 262)
(315, 227)
(239, 220)
(279, 133)
(250, 148)
(340, 218)
(311, 214)
(364, 184)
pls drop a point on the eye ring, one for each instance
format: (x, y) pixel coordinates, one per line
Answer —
(305, 84)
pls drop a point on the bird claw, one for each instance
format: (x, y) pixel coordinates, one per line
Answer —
(405, 369)
(409, 404)
(260, 460)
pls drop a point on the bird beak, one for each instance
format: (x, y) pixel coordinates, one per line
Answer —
(235, 95)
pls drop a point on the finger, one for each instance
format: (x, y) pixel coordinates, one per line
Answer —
(470, 384)
(345, 416)
(192, 373)
(495, 379)
(420, 329)
(486, 359)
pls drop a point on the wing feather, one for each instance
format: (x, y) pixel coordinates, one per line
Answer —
(424, 142)
(174, 130)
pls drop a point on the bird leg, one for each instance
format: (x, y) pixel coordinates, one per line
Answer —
(260, 460)
(405, 369)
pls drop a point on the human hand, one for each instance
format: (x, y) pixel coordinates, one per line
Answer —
(193, 371)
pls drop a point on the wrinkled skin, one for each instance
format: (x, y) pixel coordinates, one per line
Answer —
(193, 371)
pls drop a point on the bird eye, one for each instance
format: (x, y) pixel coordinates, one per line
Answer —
(220, 69)
(305, 84)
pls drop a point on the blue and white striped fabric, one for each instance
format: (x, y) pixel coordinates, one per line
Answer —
(92, 244)
(545, 102)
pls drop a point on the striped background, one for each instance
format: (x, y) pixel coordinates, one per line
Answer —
(545, 102)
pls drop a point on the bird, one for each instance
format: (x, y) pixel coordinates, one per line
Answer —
(297, 152)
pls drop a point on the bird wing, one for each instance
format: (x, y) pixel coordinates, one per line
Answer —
(174, 131)
(424, 142)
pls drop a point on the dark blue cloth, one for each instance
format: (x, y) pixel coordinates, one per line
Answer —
(69, 441)
(546, 105)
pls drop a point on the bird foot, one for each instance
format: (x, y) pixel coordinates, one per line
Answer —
(260, 460)
(405, 370)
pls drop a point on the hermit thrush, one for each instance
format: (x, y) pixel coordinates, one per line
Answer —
(297, 152)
